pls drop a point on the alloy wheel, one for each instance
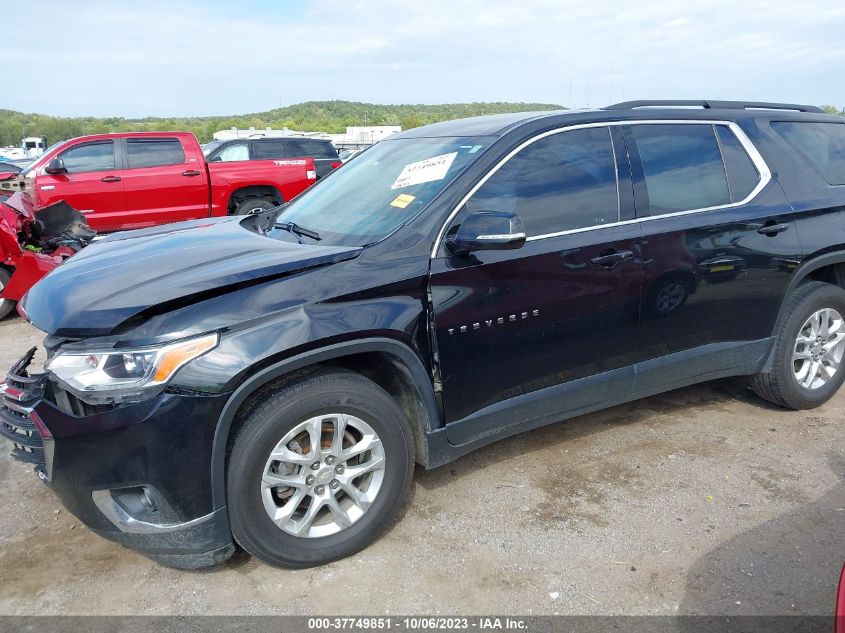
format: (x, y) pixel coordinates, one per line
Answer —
(670, 297)
(323, 475)
(818, 349)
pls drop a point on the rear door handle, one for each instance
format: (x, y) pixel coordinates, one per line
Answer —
(772, 229)
(609, 259)
(191, 172)
(111, 179)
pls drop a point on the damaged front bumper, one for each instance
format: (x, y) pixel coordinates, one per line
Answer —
(137, 474)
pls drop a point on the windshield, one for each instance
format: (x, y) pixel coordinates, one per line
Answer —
(210, 147)
(385, 186)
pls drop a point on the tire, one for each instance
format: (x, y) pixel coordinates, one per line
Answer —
(780, 385)
(277, 413)
(6, 305)
(254, 205)
(667, 294)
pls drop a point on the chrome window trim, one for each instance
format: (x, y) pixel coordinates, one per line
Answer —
(765, 175)
(502, 236)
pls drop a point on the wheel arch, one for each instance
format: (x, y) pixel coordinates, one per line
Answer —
(253, 191)
(684, 274)
(829, 268)
(410, 383)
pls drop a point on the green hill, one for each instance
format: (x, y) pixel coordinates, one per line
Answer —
(322, 116)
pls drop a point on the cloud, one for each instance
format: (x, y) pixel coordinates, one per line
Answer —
(206, 58)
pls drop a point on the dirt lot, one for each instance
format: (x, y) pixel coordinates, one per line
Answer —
(704, 500)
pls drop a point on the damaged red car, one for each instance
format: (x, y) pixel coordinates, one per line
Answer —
(33, 242)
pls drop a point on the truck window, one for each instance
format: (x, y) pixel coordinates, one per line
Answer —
(683, 167)
(311, 148)
(233, 152)
(561, 182)
(96, 156)
(154, 152)
(265, 150)
(822, 144)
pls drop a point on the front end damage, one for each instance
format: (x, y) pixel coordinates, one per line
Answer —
(104, 464)
(34, 241)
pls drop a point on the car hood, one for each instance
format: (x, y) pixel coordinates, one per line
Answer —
(130, 275)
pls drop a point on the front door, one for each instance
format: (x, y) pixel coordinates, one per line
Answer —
(91, 185)
(550, 327)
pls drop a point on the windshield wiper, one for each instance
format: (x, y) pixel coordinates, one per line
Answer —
(298, 230)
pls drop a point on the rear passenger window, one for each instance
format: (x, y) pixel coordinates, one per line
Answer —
(742, 174)
(561, 182)
(154, 152)
(683, 167)
(823, 144)
(311, 149)
(265, 150)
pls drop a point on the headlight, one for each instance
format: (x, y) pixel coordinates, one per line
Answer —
(126, 374)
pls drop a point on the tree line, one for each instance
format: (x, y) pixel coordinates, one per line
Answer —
(314, 116)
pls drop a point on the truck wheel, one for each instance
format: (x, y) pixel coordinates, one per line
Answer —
(318, 469)
(254, 205)
(6, 305)
(807, 366)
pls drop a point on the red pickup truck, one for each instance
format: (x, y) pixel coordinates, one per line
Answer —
(140, 179)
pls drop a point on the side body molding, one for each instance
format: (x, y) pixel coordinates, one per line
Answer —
(409, 358)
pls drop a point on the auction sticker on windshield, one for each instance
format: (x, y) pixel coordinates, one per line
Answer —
(427, 170)
(402, 200)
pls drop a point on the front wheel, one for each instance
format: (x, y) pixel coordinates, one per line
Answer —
(318, 469)
(251, 206)
(807, 363)
(6, 305)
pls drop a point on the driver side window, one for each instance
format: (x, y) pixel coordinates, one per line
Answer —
(89, 157)
(561, 182)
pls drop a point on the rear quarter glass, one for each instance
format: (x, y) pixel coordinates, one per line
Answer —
(821, 144)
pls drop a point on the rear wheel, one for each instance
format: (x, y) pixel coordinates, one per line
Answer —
(251, 206)
(666, 295)
(6, 305)
(807, 364)
(318, 469)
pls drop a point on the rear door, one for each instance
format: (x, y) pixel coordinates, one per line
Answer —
(164, 181)
(552, 326)
(719, 246)
(91, 185)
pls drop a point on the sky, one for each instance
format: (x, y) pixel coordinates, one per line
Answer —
(196, 58)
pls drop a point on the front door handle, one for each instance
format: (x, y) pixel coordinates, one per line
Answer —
(609, 258)
(111, 179)
(772, 229)
(191, 172)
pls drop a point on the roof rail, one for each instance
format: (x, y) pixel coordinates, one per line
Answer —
(716, 105)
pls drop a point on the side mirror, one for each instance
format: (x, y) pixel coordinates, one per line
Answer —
(216, 159)
(55, 166)
(487, 230)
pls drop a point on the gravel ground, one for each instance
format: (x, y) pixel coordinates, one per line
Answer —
(703, 500)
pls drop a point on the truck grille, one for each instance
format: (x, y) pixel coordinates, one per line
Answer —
(18, 421)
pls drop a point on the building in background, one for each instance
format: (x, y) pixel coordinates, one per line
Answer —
(355, 137)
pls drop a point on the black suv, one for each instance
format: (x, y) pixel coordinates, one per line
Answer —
(271, 380)
(322, 151)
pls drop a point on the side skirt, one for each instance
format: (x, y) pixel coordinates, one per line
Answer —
(594, 393)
